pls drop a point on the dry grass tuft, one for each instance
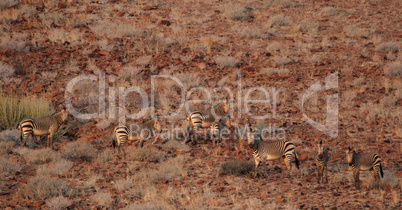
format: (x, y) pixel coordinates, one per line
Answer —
(235, 12)
(173, 146)
(307, 27)
(57, 168)
(8, 3)
(105, 156)
(226, 61)
(278, 20)
(44, 188)
(39, 156)
(59, 202)
(6, 70)
(392, 47)
(8, 167)
(236, 168)
(78, 150)
(146, 154)
(102, 199)
(393, 69)
(354, 31)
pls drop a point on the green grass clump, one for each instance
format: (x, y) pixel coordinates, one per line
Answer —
(13, 110)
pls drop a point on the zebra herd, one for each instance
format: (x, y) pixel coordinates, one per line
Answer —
(262, 150)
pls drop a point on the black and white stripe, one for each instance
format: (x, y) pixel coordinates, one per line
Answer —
(364, 162)
(321, 162)
(216, 129)
(271, 150)
(204, 119)
(143, 131)
(42, 126)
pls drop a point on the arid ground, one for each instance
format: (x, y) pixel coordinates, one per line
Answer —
(303, 70)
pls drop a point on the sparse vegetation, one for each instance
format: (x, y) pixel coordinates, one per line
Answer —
(78, 150)
(146, 154)
(393, 69)
(392, 47)
(58, 203)
(103, 198)
(58, 168)
(39, 156)
(8, 167)
(236, 168)
(44, 188)
(226, 61)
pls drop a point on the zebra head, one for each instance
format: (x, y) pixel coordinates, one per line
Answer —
(320, 146)
(157, 125)
(349, 155)
(251, 134)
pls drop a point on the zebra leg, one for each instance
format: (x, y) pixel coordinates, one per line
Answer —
(194, 136)
(374, 174)
(326, 174)
(288, 162)
(356, 176)
(257, 162)
(318, 174)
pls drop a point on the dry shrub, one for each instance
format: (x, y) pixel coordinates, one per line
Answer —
(278, 20)
(236, 168)
(392, 47)
(393, 69)
(124, 184)
(8, 3)
(59, 202)
(44, 188)
(6, 147)
(57, 168)
(143, 206)
(6, 70)
(40, 156)
(235, 12)
(307, 27)
(330, 11)
(78, 150)
(226, 61)
(8, 167)
(146, 154)
(283, 3)
(173, 146)
(281, 60)
(171, 170)
(116, 30)
(354, 31)
(105, 156)
(103, 199)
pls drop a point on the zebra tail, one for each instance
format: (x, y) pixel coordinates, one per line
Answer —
(20, 128)
(114, 143)
(382, 173)
(296, 160)
(189, 124)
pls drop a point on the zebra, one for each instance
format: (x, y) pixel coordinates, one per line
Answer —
(270, 150)
(364, 162)
(322, 161)
(217, 127)
(144, 131)
(199, 119)
(42, 126)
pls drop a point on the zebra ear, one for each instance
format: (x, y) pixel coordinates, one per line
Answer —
(320, 142)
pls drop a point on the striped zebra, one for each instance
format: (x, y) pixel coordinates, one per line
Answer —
(199, 119)
(322, 161)
(142, 132)
(42, 126)
(364, 162)
(271, 150)
(217, 127)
